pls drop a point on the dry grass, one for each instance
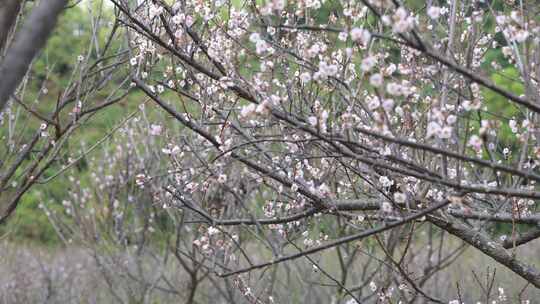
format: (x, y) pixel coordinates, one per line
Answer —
(70, 275)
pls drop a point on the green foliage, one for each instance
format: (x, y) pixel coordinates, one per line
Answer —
(500, 107)
(30, 223)
(507, 79)
(57, 62)
(71, 39)
(67, 40)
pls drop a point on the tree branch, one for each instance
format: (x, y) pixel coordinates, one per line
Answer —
(28, 42)
(9, 9)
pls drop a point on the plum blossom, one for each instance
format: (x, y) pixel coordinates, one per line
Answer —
(312, 121)
(390, 69)
(399, 111)
(373, 103)
(388, 104)
(155, 10)
(248, 110)
(446, 132)
(160, 88)
(212, 231)
(325, 70)
(368, 63)
(521, 35)
(264, 107)
(434, 12)
(360, 35)
(261, 47)
(279, 5)
(222, 178)
(178, 19)
(470, 105)
(315, 49)
(155, 130)
(179, 33)
(140, 180)
(475, 142)
(393, 88)
(402, 21)
(305, 77)
(171, 150)
(433, 128)
(386, 207)
(385, 181)
(376, 80)
(400, 197)
(254, 37)
(513, 125)
(189, 20)
(507, 51)
(451, 119)
(313, 4)
(373, 286)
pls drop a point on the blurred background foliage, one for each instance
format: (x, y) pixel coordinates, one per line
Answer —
(51, 72)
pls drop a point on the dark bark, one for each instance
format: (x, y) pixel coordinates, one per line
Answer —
(9, 9)
(29, 40)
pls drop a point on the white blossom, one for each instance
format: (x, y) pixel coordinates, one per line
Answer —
(360, 35)
(434, 12)
(402, 22)
(368, 63)
(155, 130)
(212, 231)
(400, 197)
(376, 80)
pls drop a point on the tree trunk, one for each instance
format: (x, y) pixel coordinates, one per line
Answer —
(9, 9)
(29, 40)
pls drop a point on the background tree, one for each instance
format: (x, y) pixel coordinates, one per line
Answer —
(36, 125)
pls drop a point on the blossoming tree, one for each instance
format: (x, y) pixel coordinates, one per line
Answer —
(308, 125)
(402, 131)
